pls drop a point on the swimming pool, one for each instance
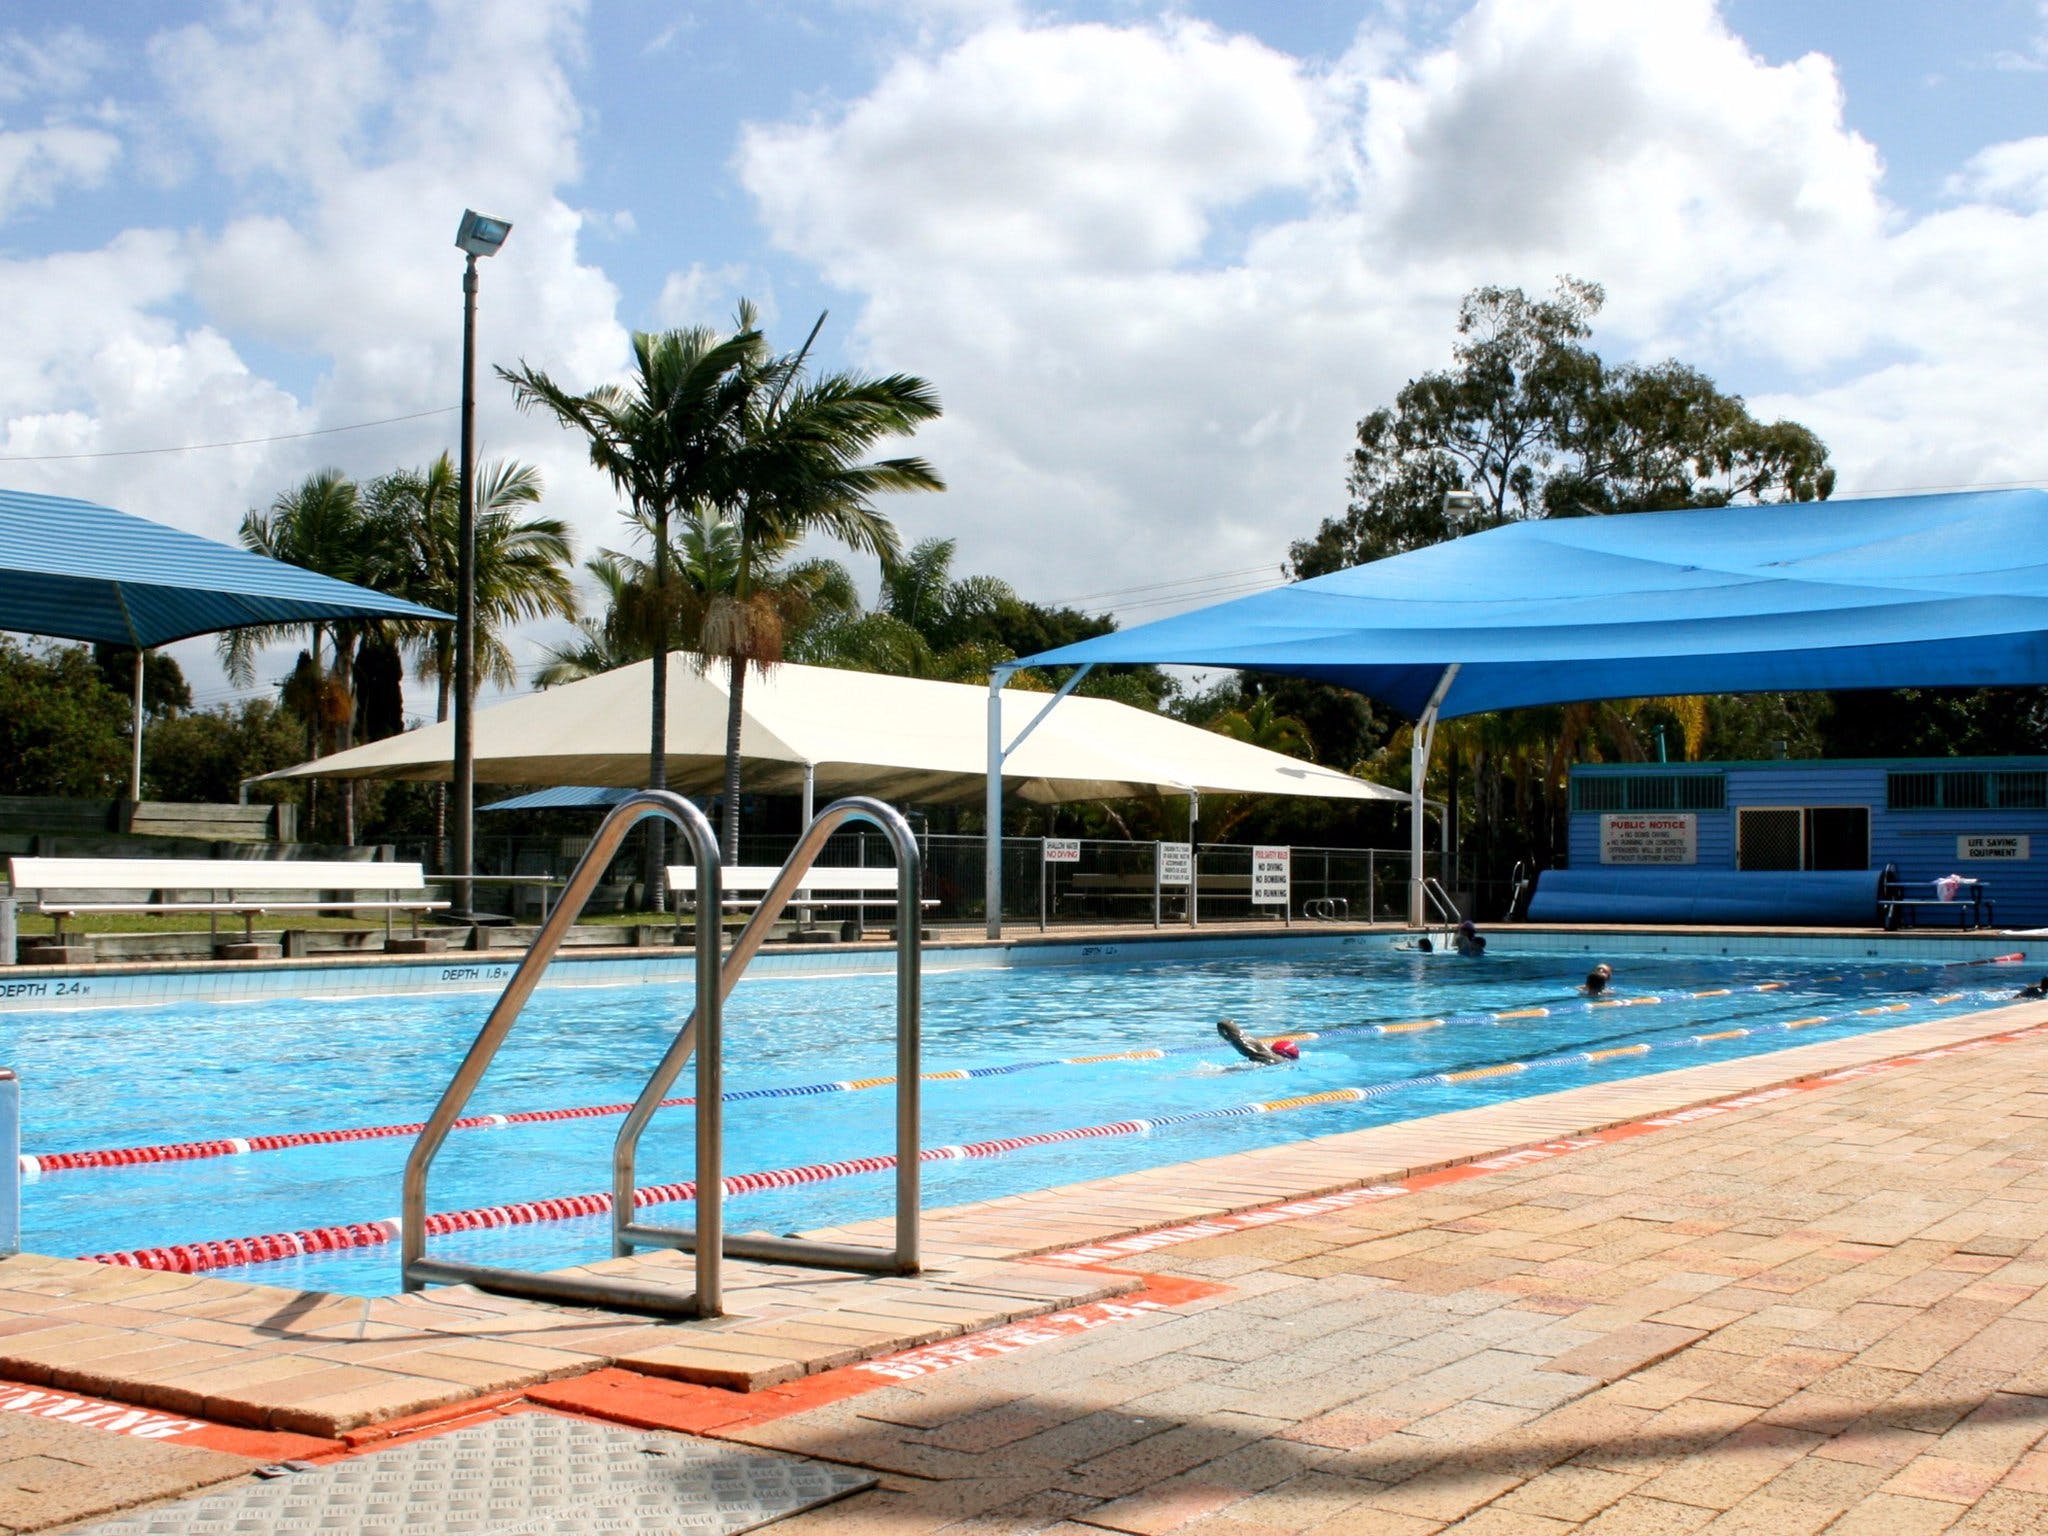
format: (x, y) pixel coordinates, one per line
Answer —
(183, 1072)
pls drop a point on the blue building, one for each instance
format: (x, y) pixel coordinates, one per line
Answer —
(1981, 818)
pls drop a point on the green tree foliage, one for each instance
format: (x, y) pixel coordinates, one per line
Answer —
(205, 756)
(164, 689)
(1529, 421)
(63, 731)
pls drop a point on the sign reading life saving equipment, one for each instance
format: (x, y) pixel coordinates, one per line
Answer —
(1994, 845)
(1062, 850)
(1666, 837)
(1176, 864)
(1270, 876)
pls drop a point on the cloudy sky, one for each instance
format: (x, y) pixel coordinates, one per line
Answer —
(1157, 260)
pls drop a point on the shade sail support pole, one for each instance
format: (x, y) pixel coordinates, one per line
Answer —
(1420, 743)
(1194, 853)
(998, 754)
(135, 765)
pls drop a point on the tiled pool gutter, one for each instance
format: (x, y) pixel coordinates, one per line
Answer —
(146, 983)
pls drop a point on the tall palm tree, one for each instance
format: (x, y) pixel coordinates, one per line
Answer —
(800, 470)
(317, 525)
(522, 564)
(663, 440)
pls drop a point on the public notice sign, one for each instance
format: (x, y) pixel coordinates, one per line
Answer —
(1667, 837)
(1062, 850)
(1176, 864)
(1994, 845)
(1270, 868)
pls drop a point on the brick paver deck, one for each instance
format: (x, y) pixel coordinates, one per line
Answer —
(1818, 1313)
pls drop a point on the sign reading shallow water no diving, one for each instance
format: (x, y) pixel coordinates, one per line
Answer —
(1667, 837)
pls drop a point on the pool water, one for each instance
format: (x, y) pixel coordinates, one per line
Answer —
(181, 1073)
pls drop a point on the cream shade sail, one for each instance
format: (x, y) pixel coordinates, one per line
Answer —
(901, 739)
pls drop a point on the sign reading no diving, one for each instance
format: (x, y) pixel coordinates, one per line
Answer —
(1062, 850)
(1270, 867)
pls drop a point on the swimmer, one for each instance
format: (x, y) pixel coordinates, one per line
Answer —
(1597, 979)
(1257, 1050)
(1469, 941)
(2038, 989)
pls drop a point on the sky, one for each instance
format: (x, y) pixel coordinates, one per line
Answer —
(1156, 260)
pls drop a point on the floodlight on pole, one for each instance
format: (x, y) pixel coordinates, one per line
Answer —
(477, 235)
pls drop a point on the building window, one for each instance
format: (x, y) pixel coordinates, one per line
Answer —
(1649, 792)
(1967, 789)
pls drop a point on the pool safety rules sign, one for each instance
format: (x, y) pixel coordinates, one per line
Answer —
(1176, 864)
(1270, 876)
(1062, 850)
(1663, 837)
(1994, 845)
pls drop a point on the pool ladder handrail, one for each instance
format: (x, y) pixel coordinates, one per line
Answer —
(902, 1258)
(580, 1287)
(1446, 909)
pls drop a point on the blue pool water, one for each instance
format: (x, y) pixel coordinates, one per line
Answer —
(180, 1073)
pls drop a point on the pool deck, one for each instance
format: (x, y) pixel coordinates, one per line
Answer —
(1819, 1305)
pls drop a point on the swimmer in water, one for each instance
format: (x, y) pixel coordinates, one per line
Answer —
(1597, 979)
(2038, 989)
(1470, 941)
(1257, 1050)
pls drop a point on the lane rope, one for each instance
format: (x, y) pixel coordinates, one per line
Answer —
(195, 1258)
(36, 1164)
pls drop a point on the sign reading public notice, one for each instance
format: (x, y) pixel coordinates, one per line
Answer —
(1062, 850)
(1176, 864)
(1994, 845)
(1270, 876)
(1670, 837)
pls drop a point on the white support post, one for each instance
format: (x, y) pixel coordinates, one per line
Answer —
(992, 876)
(135, 767)
(1420, 743)
(1194, 853)
(803, 913)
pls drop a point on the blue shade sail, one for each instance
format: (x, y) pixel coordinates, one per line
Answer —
(563, 797)
(78, 571)
(1892, 592)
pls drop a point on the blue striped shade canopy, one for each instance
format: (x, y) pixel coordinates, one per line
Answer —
(1891, 592)
(562, 797)
(75, 570)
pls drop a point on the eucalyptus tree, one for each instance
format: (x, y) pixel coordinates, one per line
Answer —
(664, 439)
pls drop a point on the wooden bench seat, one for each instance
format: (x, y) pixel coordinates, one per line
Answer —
(743, 885)
(1902, 902)
(249, 888)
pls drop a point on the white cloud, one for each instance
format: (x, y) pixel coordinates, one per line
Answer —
(2014, 173)
(35, 163)
(1158, 271)
(701, 295)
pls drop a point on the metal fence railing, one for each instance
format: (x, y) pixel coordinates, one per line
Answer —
(1091, 881)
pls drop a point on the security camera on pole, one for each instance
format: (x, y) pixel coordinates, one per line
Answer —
(478, 235)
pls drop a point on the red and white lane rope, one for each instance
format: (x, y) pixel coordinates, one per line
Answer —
(193, 1258)
(35, 1164)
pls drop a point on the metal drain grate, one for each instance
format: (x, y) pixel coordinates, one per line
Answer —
(518, 1476)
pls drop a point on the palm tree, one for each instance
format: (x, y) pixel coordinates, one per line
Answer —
(522, 564)
(799, 470)
(319, 526)
(663, 440)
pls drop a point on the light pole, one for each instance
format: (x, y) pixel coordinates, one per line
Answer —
(477, 235)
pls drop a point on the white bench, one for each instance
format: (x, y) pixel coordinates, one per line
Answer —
(249, 887)
(743, 885)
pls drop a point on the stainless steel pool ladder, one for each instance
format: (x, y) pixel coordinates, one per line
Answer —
(580, 1287)
(701, 1035)
(902, 1257)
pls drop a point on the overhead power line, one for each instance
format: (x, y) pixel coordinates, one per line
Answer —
(240, 442)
